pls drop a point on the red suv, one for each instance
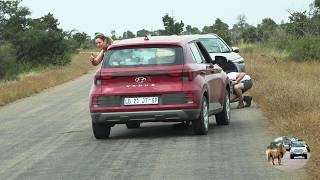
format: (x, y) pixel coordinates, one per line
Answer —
(158, 79)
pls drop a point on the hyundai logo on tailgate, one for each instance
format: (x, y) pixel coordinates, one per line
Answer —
(140, 79)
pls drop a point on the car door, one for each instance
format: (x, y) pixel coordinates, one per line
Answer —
(211, 74)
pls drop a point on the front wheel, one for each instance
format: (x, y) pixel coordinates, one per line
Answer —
(223, 118)
(100, 130)
(201, 125)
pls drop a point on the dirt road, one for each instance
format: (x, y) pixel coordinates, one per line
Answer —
(49, 136)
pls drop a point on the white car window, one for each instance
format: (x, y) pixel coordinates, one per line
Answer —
(215, 45)
(197, 56)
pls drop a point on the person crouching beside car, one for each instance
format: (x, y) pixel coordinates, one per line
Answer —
(241, 83)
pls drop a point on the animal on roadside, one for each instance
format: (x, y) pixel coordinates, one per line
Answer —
(273, 153)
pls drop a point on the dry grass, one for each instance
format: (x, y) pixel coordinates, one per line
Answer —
(35, 82)
(288, 94)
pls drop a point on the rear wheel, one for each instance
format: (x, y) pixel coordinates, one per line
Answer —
(306, 156)
(201, 125)
(291, 156)
(133, 125)
(100, 130)
(223, 118)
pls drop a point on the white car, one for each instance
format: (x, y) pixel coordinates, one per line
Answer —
(298, 148)
(220, 51)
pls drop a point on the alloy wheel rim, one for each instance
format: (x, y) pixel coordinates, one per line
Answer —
(228, 108)
(205, 114)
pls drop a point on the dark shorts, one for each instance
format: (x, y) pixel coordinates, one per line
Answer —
(247, 84)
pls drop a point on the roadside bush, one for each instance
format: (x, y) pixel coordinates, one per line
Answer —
(7, 58)
(42, 47)
(306, 48)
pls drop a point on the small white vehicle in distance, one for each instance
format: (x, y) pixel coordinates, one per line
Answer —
(298, 148)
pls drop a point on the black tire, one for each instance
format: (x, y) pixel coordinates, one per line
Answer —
(306, 156)
(133, 125)
(201, 125)
(100, 130)
(223, 118)
(291, 156)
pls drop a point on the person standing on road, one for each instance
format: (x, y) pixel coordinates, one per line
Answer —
(241, 83)
(102, 42)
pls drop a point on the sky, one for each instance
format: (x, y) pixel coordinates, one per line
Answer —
(122, 15)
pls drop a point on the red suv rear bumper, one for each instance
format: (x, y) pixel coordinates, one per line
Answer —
(146, 116)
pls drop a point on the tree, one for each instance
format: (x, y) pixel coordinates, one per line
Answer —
(207, 29)
(192, 30)
(242, 23)
(249, 34)
(13, 19)
(299, 24)
(81, 39)
(266, 29)
(35, 41)
(113, 35)
(42, 43)
(315, 19)
(7, 60)
(143, 32)
(220, 28)
(127, 35)
(317, 4)
(239, 28)
(171, 26)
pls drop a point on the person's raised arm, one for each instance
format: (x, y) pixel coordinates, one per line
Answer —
(96, 60)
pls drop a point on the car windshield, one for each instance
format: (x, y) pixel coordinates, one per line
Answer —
(144, 56)
(215, 45)
(298, 144)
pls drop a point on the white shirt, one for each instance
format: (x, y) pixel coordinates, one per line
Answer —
(233, 76)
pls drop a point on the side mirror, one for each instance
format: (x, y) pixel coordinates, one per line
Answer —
(235, 49)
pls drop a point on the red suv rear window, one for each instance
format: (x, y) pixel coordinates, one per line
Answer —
(143, 56)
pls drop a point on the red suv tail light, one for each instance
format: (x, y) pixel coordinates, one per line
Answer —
(94, 101)
(190, 75)
(186, 73)
(175, 73)
(99, 77)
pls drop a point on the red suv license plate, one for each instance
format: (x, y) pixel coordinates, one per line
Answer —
(140, 101)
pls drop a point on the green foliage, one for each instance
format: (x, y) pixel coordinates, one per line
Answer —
(191, 30)
(42, 43)
(220, 28)
(143, 32)
(81, 39)
(7, 58)
(127, 35)
(238, 30)
(249, 34)
(317, 4)
(300, 49)
(27, 42)
(266, 29)
(299, 24)
(171, 26)
(114, 37)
